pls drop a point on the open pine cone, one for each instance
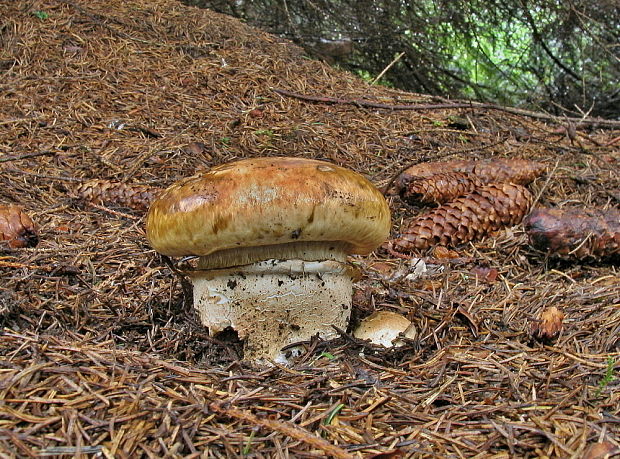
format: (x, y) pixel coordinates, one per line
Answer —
(548, 325)
(516, 171)
(131, 196)
(439, 188)
(467, 218)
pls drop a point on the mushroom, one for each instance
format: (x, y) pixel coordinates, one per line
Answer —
(273, 235)
(384, 328)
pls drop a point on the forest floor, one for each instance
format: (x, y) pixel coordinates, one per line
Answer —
(100, 354)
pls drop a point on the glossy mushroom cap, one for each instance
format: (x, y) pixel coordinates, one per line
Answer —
(268, 202)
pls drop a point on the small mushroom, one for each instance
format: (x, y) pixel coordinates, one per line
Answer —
(384, 328)
(273, 235)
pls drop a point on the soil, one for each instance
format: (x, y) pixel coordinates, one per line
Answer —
(100, 350)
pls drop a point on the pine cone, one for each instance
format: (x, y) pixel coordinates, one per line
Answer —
(439, 188)
(469, 217)
(136, 197)
(17, 227)
(548, 325)
(428, 169)
(575, 233)
(517, 171)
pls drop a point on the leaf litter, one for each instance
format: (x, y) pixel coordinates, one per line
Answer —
(100, 354)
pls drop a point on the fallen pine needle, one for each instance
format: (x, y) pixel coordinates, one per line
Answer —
(284, 428)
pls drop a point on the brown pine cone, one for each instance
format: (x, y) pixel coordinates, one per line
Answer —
(17, 227)
(500, 170)
(469, 217)
(516, 171)
(575, 233)
(428, 169)
(548, 325)
(438, 188)
(136, 197)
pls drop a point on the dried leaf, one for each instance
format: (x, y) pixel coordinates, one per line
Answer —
(601, 450)
(441, 253)
(485, 274)
(198, 149)
(17, 227)
(195, 148)
(382, 268)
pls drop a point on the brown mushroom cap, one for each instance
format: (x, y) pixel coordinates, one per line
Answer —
(267, 202)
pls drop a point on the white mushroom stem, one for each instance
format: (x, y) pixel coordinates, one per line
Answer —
(274, 303)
